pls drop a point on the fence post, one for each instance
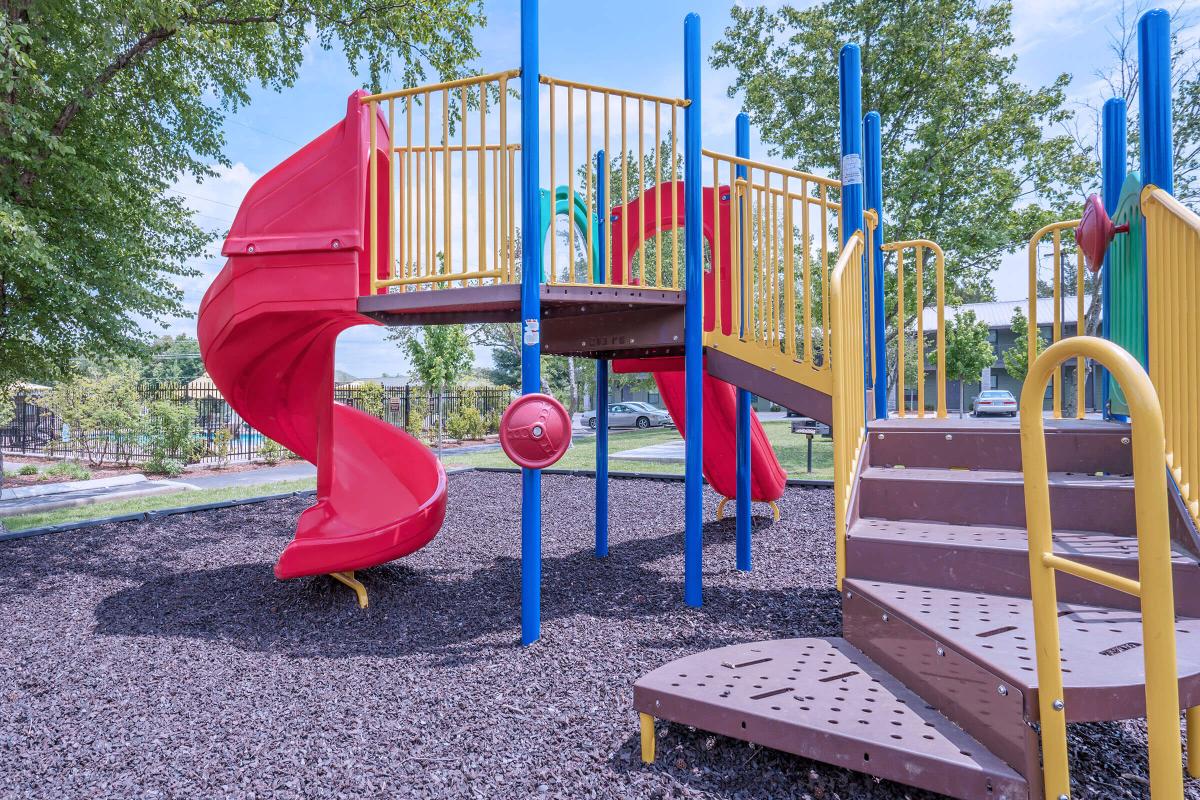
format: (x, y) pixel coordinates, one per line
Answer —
(531, 313)
(744, 466)
(1113, 167)
(693, 329)
(407, 390)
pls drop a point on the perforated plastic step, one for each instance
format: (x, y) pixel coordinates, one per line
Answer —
(995, 559)
(825, 700)
(1102, 658)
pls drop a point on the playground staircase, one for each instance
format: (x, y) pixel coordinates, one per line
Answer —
(934, 684)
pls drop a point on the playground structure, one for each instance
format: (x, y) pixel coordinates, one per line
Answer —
(949, 535)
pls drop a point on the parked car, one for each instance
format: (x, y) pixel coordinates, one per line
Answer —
(994, 401)
(630, 414)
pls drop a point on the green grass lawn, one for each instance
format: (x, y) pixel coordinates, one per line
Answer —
(184, 497)
(788, 446)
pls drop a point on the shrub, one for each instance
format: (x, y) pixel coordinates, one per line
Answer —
(102, 416)
(466, 423)
(171, 434)
(222, 439)
(171, 467)
(28, 469)
(491, 422)
(271, 451)
(370, 398)
(69, 470)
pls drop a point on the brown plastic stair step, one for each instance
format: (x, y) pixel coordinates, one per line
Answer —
(904, 627)
(826, 700)
(1071, 445)
(995, 560)
(994, 497)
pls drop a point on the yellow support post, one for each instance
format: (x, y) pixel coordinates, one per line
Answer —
(647, 736)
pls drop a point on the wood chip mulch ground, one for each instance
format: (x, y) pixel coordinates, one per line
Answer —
(161, 659)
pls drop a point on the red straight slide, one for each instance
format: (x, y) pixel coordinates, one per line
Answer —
(768, 478)
(267, 328)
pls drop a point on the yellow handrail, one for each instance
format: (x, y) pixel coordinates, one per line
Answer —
(849, 412)
(1055, 231)
(1172, 297)
(919, 246)
(1153, 586)
(772, 276)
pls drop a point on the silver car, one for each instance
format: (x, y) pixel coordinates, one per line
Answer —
(630, 414)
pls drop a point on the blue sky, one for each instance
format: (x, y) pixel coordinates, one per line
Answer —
(581, 42)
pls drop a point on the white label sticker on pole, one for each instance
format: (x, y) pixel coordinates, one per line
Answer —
(851, 169)
(532, 332)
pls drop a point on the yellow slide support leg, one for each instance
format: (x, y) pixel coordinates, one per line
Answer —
(775, 513)
(647, 738)
(348, 579)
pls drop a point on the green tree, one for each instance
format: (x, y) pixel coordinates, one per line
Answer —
(968, 351)
(441, 356)
(1016, 358)
(106, 104)
(103, 415)
(966, 157)
(173, 359)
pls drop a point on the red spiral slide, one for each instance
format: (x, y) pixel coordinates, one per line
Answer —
(268, 325)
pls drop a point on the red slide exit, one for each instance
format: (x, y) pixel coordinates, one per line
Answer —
(267, 328)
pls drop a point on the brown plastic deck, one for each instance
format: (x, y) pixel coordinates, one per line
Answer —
(824, 699)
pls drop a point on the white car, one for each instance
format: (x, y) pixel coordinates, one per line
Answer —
(995, 401)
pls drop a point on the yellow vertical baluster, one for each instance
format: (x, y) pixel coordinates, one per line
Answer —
(481, 180)
(393, 178)
(789, 274)
(607, 233)
(826, 271)
(411, 216)
(502, 244)
(463, 181)
(806, 256)
(1056, 271)
(940, 277)
(658, 258)
(447, 252)
(587, 132)
(674, 199)
(901, 399)
(572, 270)
(716, 248)
(625, 223)
(919, 297)
(553, 216)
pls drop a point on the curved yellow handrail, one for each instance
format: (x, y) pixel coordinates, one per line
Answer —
(1153, 586)
(1056, 229)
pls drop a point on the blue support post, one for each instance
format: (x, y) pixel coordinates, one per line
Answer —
(531, 314)
(1113, 164)
(1154, 99)
(744, 498)
(850, 104)
(693, 330)
(601, 379)
(873, 147)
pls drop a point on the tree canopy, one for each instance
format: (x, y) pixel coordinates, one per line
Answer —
(105, 105)
(967, 161)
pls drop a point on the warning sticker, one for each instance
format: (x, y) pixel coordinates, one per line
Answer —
(852, 169)
(532, 335)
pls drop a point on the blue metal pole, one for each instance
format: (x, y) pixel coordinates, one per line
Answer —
(531, 313)
(1154, 120)
(744, 497)
(601, 379)
(872, 145)
(850, 104)
(1154, 98)
(693, 330)
(1113, 163)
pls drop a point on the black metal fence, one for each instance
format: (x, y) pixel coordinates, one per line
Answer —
(223, 434)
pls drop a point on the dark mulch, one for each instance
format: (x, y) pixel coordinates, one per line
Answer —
(161, 659)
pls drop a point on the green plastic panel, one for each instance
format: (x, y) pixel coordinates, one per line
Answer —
(1127, 304)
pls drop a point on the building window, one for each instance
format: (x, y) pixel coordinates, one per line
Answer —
(995, 381)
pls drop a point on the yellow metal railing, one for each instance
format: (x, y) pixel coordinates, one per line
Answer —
(1055, 231)
(849, 389)
(785, 230)
(450, 157)
(918, 248)
(1173, 297)
(1153, 585)
(638, 123)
